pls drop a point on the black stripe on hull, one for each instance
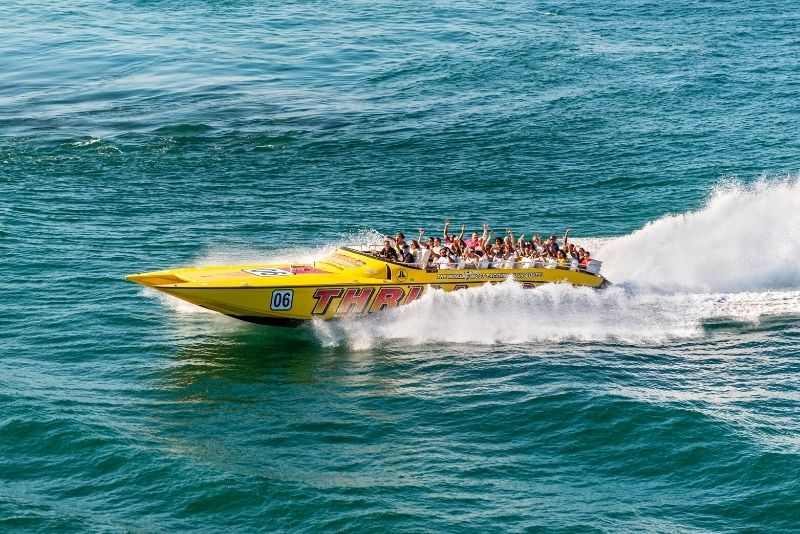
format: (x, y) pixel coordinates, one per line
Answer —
(270, 321)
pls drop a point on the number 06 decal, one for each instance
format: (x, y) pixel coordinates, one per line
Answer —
(281, 300)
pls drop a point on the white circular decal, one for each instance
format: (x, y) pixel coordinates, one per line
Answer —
(268, 272)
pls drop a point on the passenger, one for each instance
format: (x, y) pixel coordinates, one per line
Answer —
(474, 241)
(408, 256)
(450, 238)
(483, 245)
(561, 259)
(537, 242)
(586, 259)
(468, 260)
(437, 245)
(398, 242)
(508, 241)
(527, 260)
(572, 251)
(459, 245)
(388, 252)
(445, 261)
(552, 245)
(498, 261)
(415, 250)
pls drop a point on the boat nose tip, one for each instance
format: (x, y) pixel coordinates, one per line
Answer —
(139, 278)
(154, 279)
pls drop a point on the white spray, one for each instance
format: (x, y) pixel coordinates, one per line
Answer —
(743, 239)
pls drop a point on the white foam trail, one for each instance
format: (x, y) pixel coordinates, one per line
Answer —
(507, 313)
(745, 238)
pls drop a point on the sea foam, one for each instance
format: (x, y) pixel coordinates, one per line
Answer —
(744, 238)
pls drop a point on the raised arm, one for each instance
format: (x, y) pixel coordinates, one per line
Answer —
(566, 235)
(461, 235)
(444, 232)
(487, 237)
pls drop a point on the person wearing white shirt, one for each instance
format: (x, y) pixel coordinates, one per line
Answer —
(446, 260)
(498, 261)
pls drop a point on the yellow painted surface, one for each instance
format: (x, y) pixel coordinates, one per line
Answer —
(353, 283)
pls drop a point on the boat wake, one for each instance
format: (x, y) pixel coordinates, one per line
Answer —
(507, 313)
(733, 259)
(745, 238)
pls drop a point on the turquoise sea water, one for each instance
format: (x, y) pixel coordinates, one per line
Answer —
(139, 135)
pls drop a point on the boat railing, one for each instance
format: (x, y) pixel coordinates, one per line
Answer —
(593, 267)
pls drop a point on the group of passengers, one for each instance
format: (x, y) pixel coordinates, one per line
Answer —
(483, 252)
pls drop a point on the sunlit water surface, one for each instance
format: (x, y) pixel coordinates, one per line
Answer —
(143, 135)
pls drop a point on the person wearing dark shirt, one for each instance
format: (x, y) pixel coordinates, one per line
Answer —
(388, 252)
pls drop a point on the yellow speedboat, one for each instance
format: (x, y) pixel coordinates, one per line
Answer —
(347, 282)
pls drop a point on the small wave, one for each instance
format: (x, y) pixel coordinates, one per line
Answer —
(88, 142)
(103, 147)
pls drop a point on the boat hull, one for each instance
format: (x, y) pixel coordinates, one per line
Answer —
(345, 284)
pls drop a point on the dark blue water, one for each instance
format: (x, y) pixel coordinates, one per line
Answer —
(143, 135)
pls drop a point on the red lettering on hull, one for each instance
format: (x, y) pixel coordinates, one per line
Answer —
(324, 298)
(387, 297)
(354, 301)
(413, 294)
